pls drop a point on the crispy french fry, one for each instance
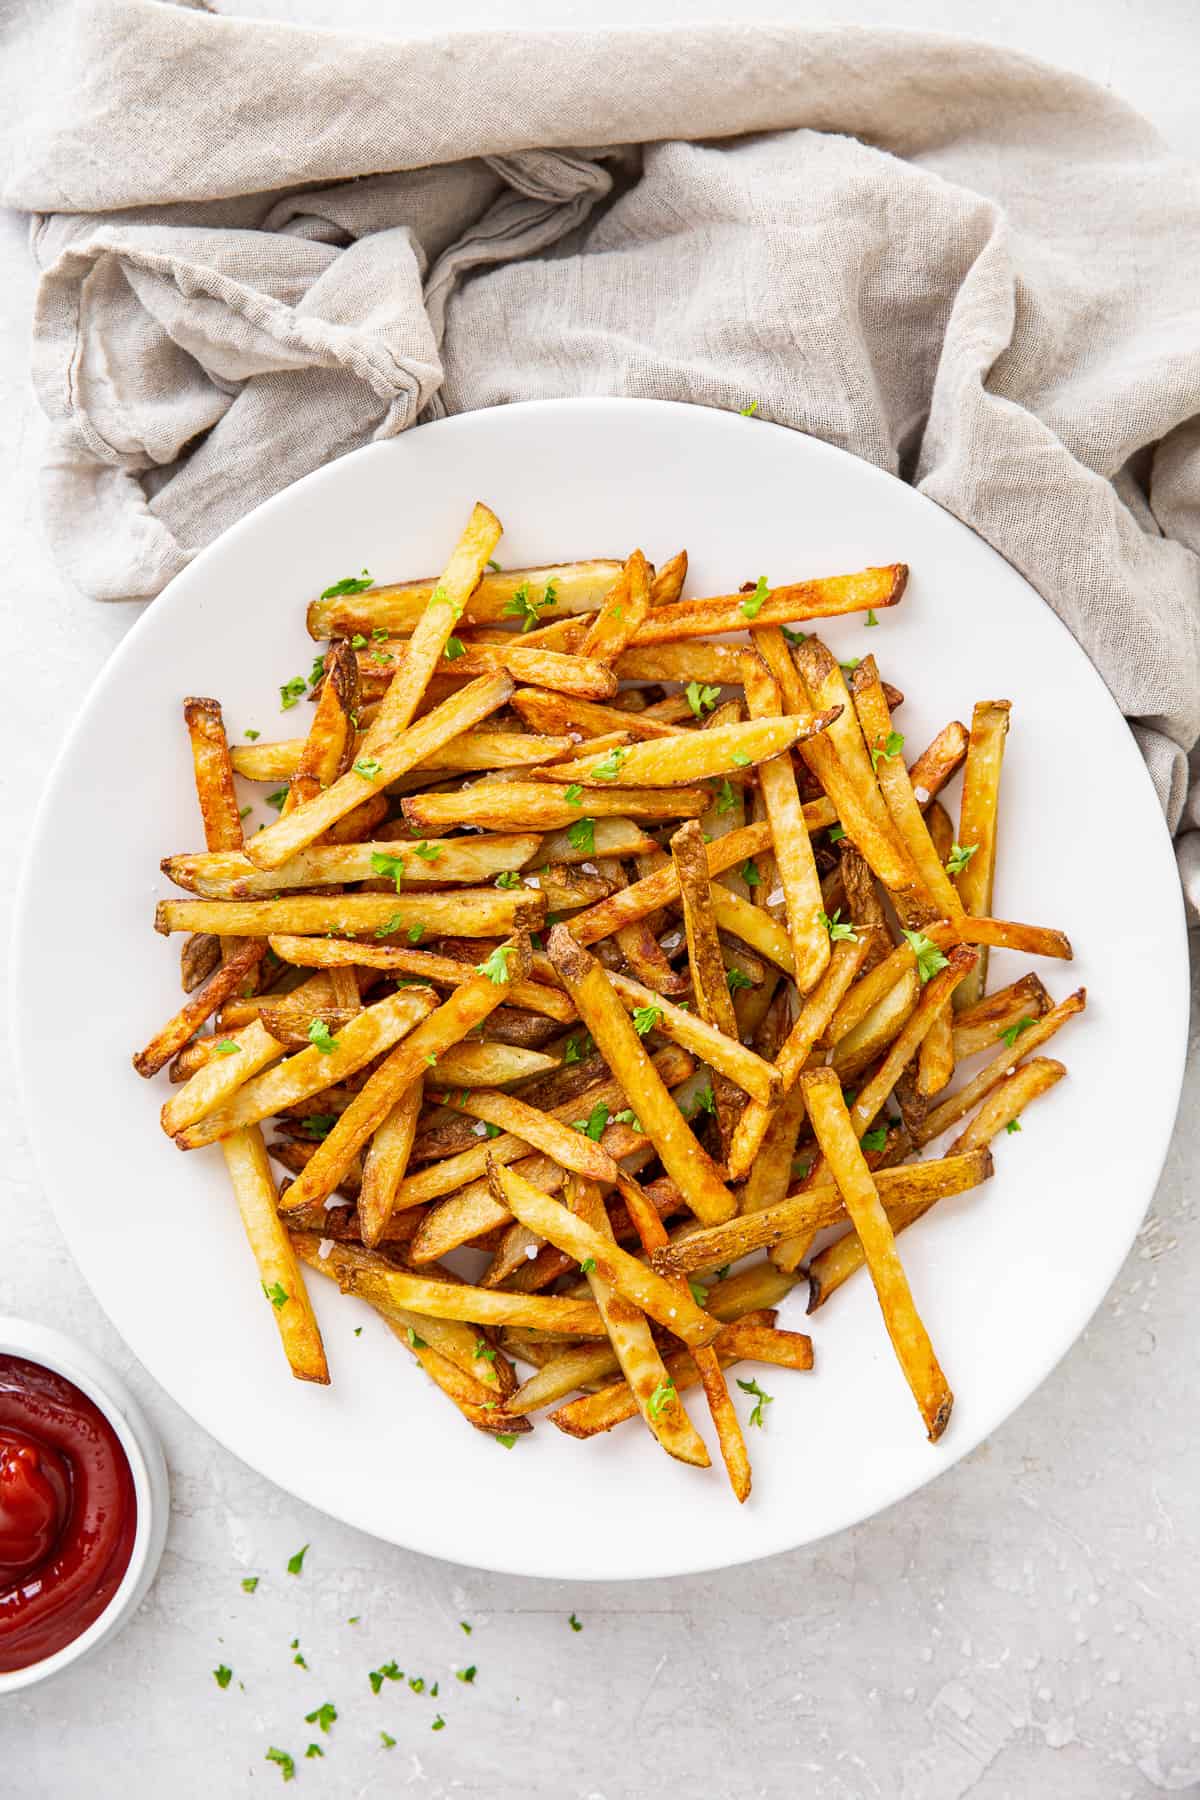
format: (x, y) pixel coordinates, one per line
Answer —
(979, 1027)
(221, 1076)
(790, 841)
(610, 838)
(333, 953)
(549, 713)
(478, 1306)
(690, 756)
(724, 1053)
(885, 747)
(636, 1282)
(199, 1006)
(687, 661)
(385, 1162)
(230, 875)
(838, 1139)
(817, 1207)
(329, 748)
(623, 609)
(279, 1274)
(466, 1007)
(214, 774)
(471, 912)
(310, 1071)
(278, 843)
(662, 887)
(518, 805)
(827, 598)
(977, 824)
(755, 926)
(491, 1065)
(1004, 1105)
(432, 629)
(473, 750)
(578, 675)
(710, 983)
(939, 762)
(958, 1104)
(602, 1011)
(858, 1049)
(395, 607)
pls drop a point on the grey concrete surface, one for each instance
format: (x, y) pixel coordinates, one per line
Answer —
(1024, 1629)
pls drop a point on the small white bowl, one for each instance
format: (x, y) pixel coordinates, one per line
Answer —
(38, 1344)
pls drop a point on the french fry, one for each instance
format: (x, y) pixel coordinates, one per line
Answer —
(724, 1053)
(979, 1027)
(939, 762)
(579, 675)
(198, 1007)
(790, 841)
(214, 775)
(221, 1076)
(473, 750)
(686, 661)
(755, 926)
(520, 806)
(471, 912)
(1005, 1104)
(828, 598)
(279, 1273)
(334, 953)
(438, 1033)
(977, 824)
(610, 837)
(897, 789)
(800, 1215)
(310, 1071)
(636, 1282)
(230, 875)
(602, 1011)
(838, 1139)
(710, 983)
(565, 588)
(550, 713)
(491, 1065)
(478, 1306)
(198, 957)
(385, 1162)
(662, 887)
(278, 843)
(958, 1104)
(623, 609)
(690, 756)
(858, 1049)
(328, 750)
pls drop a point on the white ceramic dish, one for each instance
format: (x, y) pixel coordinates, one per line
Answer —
(39, 1344)
(1006, 1278)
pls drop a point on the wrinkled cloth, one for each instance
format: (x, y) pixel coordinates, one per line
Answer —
(261, 246)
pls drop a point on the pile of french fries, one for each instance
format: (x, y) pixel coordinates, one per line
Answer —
(611, 955)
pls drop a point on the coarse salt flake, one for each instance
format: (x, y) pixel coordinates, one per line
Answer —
(775, 896)
(533, 881)
(531, 1251)
(480, 1129)
(324, 1248)
(589, 868)
(922, 796)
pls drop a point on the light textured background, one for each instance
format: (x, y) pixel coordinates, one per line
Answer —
(1023, 1628)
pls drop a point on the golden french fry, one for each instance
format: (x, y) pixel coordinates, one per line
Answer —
(225, 980)
(221, 1076)
(790, 841)
(279, 1273)
(859, 1048)
(334, 953)
(385, 1162)
(214, 774)
(687, 661)
(623, 609)
(230, 875)
(329, 748)
(979, 1027)
(977, 824)
(724, 1053)
(491, 1065)
(886, 752)
(563, 674)
(754, 925)
(564, 588)
(838, 1139)
(662, 887)
(827, 598)
(690, 756)
(520, 805)
(1004, 1105)
(958, 1104)
(478, 1306)
(471, 912)
(549, 713)
(710, 984)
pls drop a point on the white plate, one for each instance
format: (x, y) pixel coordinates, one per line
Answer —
(1006, 1278)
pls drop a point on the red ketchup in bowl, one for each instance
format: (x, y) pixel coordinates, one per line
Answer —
(68, 1513)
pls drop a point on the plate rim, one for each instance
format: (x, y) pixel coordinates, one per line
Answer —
(735, 1553)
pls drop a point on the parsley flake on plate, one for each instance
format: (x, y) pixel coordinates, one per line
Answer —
(349, 584)
(760, 1400)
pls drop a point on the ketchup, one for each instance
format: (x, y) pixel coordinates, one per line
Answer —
(68, 1513)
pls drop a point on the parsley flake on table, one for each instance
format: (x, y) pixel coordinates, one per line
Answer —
(506, 1439)
(929, 957)
(320, 1035)
(277, 798)
(574, 1623)
(839, 930)
(593, 1125)
(296, 1563)
(467, 1675)
(508, 878)
(298, 1659)
(323, 1715)
(701, 699)
(760, 1400)
(850, 665)
(277, 1294)
(610, 767)
(417, 1683)
(368, 767)
(496, 965)
(493, 565)
(439, 1724)
(960, 855)
(244, 812)
(463, 1626)
(292, 692)
(753, 603)
(249, 1583)
(252, 735)
(349, 584)
(314, 1750)
(223, 1675)
(387, 1740)
(871, 619)
(1014, 1031)
(388, 1671)
(662, 1396)
(647, 1018)
(888, 750)
(287, 1765)
(582, 835)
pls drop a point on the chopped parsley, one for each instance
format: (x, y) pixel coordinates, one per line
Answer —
(415, 933)
(749, 873)
(871, 619)
(1014, 1031)
(838, 929)
(296, 1563)
(960, 855)
(391, 866)
(496, 966)
(415, 1342)
(291, 692)
(277, 798)
(574, 794)
(929, 957)
(299, 1658)
(508, 878)
(439, 1724)
(701, 699)
(390, 925)
(506, 1439)
(358, 641)
(874, 1140)
(317, 672)
(223, 1675)
(628, 1117)
(483, 1350)
(320, 1035)
(849, 666)
(836, 833)
(740, 760)
(588, 1266)
(725, 797)
(252, 735)
(454, 648)
(493, 565)
(1013, 1125)
(760, 1400)
(704, 1102)
(387, 1740)
(287, 1764)
(593, 1125)
(794, 637)
(582, 836)
(576, 1048)
(244, 812)
(426, 851)
(468, 1674)
(663, 1395)
(523, 606)
(388, 1671)
(463, 1626)
(249, 1583)
(753, 603)
(349, 584)
(314, 1750)
(698, 1291)
(227, 1047)
(647, 1018)
(573, 1622)
(323, 1715)
(277, 1294)
(368, 767)
(737, 979)
(610, 768)
(888, 750)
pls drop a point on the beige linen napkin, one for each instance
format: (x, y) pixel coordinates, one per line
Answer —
(262, 246)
